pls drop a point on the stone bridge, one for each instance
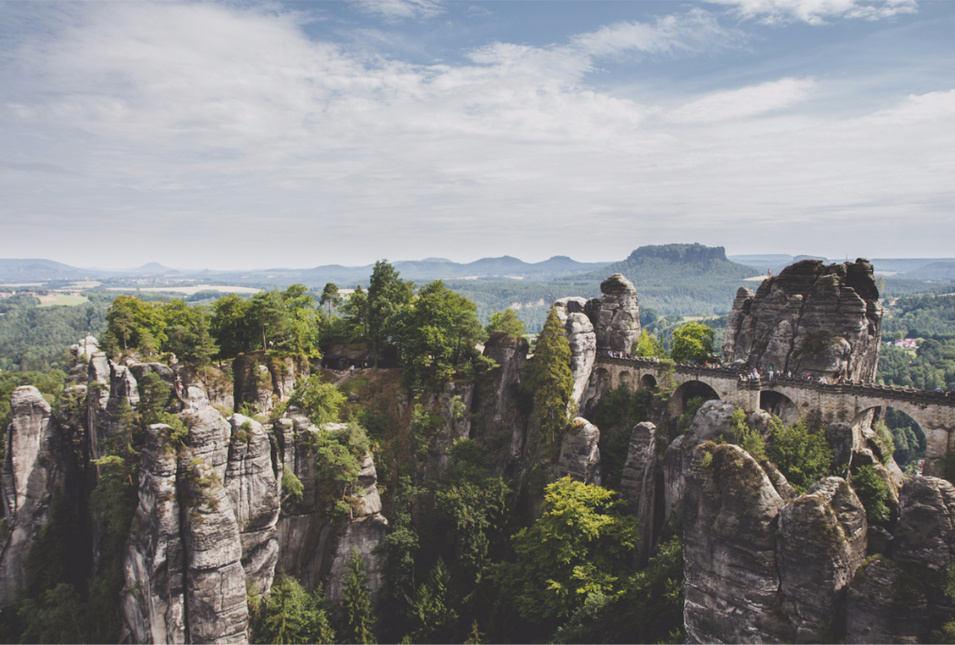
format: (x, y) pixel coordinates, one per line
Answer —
(789, 399)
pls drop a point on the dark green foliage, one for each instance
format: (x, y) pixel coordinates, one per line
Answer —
(649, 609)
(330, 297)
(34, 338)
(946, 466)
(873, 492)
(438, 334)
(618, 411)
(580, 547)
(357, 623)
(801, 453)
(289, 614)
(134, 325)
(921, 316)
(320, 401)
(285, 321)
(432, 617)
(550, 380)
(388, 296)
(338, 455)
(933, 366)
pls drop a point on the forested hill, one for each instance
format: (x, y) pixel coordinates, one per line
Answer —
(684, 279)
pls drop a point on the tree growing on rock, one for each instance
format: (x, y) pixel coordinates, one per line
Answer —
(550, 380)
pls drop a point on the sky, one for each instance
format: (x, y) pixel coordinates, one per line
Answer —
(231, 135)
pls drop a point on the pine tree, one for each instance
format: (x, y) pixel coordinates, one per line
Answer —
(356, 616)
(550, 378)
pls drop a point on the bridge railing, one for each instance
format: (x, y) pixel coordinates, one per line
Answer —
(744, 383)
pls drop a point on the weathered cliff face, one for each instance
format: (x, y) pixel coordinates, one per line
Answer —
(30, 473)
(729, 549)
(579, 454)
(615, 315)
(582, 339)
(822, 541)
(814, 318)
(262, 381)
(638, 484)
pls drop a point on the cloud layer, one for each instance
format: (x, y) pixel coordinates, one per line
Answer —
(229, 137)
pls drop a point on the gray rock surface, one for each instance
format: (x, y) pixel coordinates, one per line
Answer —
(811, 317)
(639, 479)
(615, 315)
(579, 453)
(29, 476)
(729, 549)
(583, 342)
(884, 604)
(153, 598)
(822, 541)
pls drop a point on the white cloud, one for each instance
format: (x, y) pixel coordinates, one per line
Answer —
(400, 9)
(818, 11)
(745, 102)
(225, 130)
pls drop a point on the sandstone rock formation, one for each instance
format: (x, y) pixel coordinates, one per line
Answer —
(615, 315)
(729, 547)
(638, 483)
(30, 473)
(822, 541)
(583, 342)
(579, 454)
(814, 318)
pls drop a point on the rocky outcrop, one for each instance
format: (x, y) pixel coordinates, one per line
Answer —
(153, 599)
(582, 339)
(884, 605)
(30, 474)
(261, 380)
(253, 488)
(825, 320)
(639, 479)
(822, 541)
(579, 454)
(615, 315)
(729, 549)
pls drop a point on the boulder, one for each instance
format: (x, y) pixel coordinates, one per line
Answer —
(884, 604)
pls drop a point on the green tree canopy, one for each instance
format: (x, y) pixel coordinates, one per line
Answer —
(581, 545)
(549, 378)
(388, 296)
(330, 296)
(506, 322)
(357, 620)
(692, 342)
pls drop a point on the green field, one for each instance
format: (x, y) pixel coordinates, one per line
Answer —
(56, 300)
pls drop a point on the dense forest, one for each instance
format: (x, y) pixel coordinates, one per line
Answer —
(474, 555)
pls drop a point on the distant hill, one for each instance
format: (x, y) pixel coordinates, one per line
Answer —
(940, 270)
(680, 278)
(37, 270)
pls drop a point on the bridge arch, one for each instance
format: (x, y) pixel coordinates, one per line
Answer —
(780, 405)
(648, 382)
(882, 412)
(624, 379)
(690, 390)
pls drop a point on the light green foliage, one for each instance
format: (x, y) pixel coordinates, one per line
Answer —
(289, 614)
(189, 333)
(319, 400)
(549, 380)
(472, 515)
(438, 335)
(134, 324)
(884, 440)
(285, 321)
(506, 322)
(747, 438)
(232, 325)
(292, 487)
(357, 620)
(692, 342)
(355, 309)
(423, 426)
(581, 545)
(648, 346)
(801, 454)
(873, 492)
